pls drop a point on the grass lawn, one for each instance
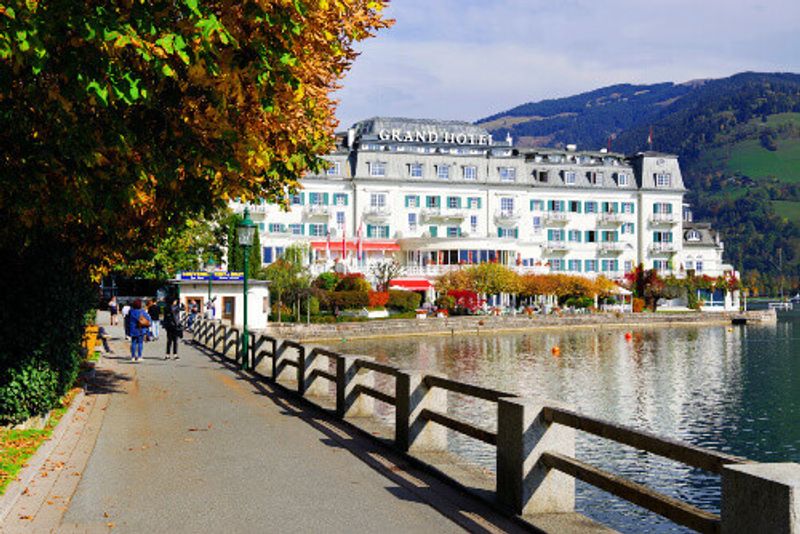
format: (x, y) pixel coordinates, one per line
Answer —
(17, 446)
(787, 209)
(751, 159)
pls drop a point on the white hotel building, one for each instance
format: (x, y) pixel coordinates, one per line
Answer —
(439, 194)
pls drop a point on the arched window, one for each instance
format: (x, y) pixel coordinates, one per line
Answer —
(692, 235)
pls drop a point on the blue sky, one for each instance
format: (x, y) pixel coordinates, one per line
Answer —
(466, 59)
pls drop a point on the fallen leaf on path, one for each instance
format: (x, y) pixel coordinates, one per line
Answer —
(110, 524)
(26, 491)
(105, 514)
(50, 502)
(25, 517)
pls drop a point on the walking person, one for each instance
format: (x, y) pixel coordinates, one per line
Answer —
(138, 322)
(155, 315)
(172, 326)
(126, 310)
(113, 310)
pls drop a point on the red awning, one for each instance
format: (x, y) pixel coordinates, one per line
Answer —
(411, 284)
(336, 245)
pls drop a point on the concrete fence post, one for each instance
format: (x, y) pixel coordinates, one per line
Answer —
(276, 356)
(315, 385)
(761, 498)
(348, 377)
(412, 432)
(523, 484)
(301, 369)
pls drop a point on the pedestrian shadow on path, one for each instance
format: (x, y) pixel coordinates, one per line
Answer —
(409, 483)
(106, 381)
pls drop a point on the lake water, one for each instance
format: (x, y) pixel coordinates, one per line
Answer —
(732, 389)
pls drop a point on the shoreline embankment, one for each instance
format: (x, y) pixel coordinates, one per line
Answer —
(482, 324)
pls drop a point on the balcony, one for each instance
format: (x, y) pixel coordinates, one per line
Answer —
(611, 247)
(668, 219)
(556, 246)
(442, 214)
(663, 248)
(507, 217)
(556, 217)
(258, 208)
(377, 213)
(316, 210)
(610, 218)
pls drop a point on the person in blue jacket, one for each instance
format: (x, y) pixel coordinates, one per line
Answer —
(138, 323)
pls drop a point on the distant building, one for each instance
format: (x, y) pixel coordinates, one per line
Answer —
(440, 194)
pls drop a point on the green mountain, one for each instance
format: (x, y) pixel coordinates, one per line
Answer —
(739, 143)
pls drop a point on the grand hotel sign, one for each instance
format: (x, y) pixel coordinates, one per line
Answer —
(433, 136)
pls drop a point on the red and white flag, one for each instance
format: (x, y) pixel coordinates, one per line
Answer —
(328, 246)
(650, 138)
(360, 242)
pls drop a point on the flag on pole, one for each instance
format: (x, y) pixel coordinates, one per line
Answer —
(360, 244)
(344, 243)
(650, 139)
(328, 246)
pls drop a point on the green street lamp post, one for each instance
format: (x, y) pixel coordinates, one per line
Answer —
(210, 265)
(246, 231)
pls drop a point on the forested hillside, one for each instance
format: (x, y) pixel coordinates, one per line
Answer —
(739, 143)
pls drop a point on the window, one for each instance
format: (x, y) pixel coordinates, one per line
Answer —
(662, 208)
(591, 236)
(316, 199)
(609, 236)
(663, 179)
(317, 230)
(507, 174)
(296, 229)
(443, 172)
(378, 231)
(469, 172)
(412, 201)
(610, 207)
(267, 255)
(661, 265)
(454, 202)
(689, 265)
(433, 231)
(334, 169)
(595, 178)
(555, 205)
(556, 264)
(537, 205)
(412, 221)
(543, 176)
(627, 228)
(340, 220)
(627, 207)
(415, 170)
(377, 200)
(507, 205)
(698, 266)
(297, 199)
(622, 179)
(574, 206)
(473, 223)
(569, 177)
(555, 235)
(609, 266)
(507, 232)
(433, 202)
(574, 266)
(340, 199)
(276, 228)
(453, 231)
(474, 203)
(574, 236)
(537, 224)
(590, 207)
(693, 235)
(590, 266)
(377, 168)
(628, 266)
(662, 237)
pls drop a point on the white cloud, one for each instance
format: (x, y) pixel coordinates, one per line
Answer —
(465, 59)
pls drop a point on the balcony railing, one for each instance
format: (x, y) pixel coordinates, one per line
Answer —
(507, 216)
(556, 217)
(610, 218)
(442, 214)
(664, 218)
(316, 210)
(612, 247)
(556, 245)
(377, 213)
(663, 248)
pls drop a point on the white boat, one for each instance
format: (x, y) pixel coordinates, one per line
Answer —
(781, 306)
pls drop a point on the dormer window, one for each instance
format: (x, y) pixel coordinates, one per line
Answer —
(377, 168)
(595, 178)
(569, 177)
(443, 172)
(622, 179)
(507, 174)
(663, 179)
(334, 169)
(693, 235)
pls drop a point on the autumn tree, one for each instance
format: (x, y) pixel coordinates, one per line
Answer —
(385, 271)
(120, 121)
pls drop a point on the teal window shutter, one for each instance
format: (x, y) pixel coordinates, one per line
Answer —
(669, 208)
(302, 198)
(346, 199)
(532, 203)
(458, 202)
(550, 235)
(669, 237)
(579, 205)
(655, 237)
(408, 199)
(516, 232)
(479, 203)
(326, 199)
(433, 230)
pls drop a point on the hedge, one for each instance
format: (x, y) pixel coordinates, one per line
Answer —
(404, 301)
(345, 300)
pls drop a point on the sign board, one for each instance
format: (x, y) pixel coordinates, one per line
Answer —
(216, 275)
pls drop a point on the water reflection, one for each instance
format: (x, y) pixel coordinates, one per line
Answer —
(730, 389)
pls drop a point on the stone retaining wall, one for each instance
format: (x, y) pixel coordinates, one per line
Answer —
(482, 324)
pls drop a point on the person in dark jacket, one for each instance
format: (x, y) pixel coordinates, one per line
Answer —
(155, 314)
(138, 325)
(173, 328)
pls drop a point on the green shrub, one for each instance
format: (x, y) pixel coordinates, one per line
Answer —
(326, 281)
(29, 390)
(404, 301)
(579, 302)
(446, 302)
(344, 300)
(353, 282)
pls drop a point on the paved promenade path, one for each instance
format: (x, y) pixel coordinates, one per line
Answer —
(194, 446)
